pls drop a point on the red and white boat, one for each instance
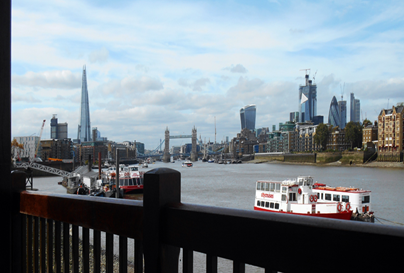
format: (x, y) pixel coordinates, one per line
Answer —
(130, 179)
(303, 197)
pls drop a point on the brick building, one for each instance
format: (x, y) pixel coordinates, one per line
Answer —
(390, 134)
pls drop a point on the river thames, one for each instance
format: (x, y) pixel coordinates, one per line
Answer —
(233, 186)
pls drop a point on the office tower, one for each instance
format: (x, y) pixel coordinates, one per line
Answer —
(333, 114)
(307, 101)
(355, 109)
(84, 132)
(294, 116)
(58, 130)
(342, 113)
(247, 117)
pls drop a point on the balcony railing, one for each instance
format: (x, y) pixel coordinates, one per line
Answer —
(161, 225)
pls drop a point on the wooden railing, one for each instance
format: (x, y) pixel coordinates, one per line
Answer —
(161, 225)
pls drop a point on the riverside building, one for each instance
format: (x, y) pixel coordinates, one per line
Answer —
(390, 134)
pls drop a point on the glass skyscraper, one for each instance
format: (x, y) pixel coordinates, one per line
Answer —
(342, 113)
(84, 132)
(247, 117)
(355, 110)
(307, 101)
(333, 114)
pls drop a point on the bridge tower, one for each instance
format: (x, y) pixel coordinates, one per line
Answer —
(166, 155)
(194, 154)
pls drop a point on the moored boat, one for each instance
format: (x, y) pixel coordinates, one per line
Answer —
(303, 197)
(130, 178)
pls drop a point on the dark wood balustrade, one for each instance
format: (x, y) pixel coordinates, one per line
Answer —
(161, 225)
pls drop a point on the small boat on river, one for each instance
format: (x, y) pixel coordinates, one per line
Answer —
(187, 163)
(303, 197)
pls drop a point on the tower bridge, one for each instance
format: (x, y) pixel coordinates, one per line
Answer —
(166, 155)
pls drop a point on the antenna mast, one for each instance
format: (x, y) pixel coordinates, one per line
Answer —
(215, 129)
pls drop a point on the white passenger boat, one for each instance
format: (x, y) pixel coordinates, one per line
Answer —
(187, 163)
(303, 197)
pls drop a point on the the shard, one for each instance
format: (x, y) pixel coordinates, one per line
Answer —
(83, 133)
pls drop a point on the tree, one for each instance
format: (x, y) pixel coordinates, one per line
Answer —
(353, 134)
(321, 136)
(366, 122)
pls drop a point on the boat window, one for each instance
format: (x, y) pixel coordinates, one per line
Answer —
(328, 196)
(258, 185)
(265, 186)
(345, 198)
(336, 197)
(276, 205)
(262, 186)
(271, 186)
(284, 189)
(322, 197)
(366, 199)
(258, 203)
(292, 196)
(283, 197)
(277, 187)
(262, 203)
(271, 205)
(121, 182)
(267, 204)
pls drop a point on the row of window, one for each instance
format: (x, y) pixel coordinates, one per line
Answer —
(333, 197)
(266, 186)
(271, 205)
(339, 198)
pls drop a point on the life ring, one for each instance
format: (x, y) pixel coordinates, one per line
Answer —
(311, 198)
(315, 198)
(348, 206)
(339, 207)
(299, 191)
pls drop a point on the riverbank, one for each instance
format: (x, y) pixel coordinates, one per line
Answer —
(373, 164)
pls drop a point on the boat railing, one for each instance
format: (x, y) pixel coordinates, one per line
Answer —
(161, 225)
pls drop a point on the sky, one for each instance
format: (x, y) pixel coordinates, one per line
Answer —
(179, 64)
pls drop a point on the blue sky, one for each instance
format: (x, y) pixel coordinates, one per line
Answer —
(153, 64)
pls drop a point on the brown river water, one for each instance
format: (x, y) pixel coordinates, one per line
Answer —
(233, 186)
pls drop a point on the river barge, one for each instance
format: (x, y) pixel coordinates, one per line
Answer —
(303, 197)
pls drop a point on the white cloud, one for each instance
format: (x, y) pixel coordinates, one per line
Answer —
(99, 56)
(64, 79)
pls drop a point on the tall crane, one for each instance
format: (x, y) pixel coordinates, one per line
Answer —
(40, 135)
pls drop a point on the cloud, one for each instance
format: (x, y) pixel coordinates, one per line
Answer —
(131, 85)
(197, 85)
(238, 68)
(98, 56)
(64, 79)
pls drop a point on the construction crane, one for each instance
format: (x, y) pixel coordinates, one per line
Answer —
(40, 135)
(308, 69)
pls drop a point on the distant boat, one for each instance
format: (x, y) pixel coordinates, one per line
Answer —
(187, 163)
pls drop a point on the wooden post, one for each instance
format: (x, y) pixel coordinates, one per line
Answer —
(5, 136)
(162, 186)
(117, 174)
